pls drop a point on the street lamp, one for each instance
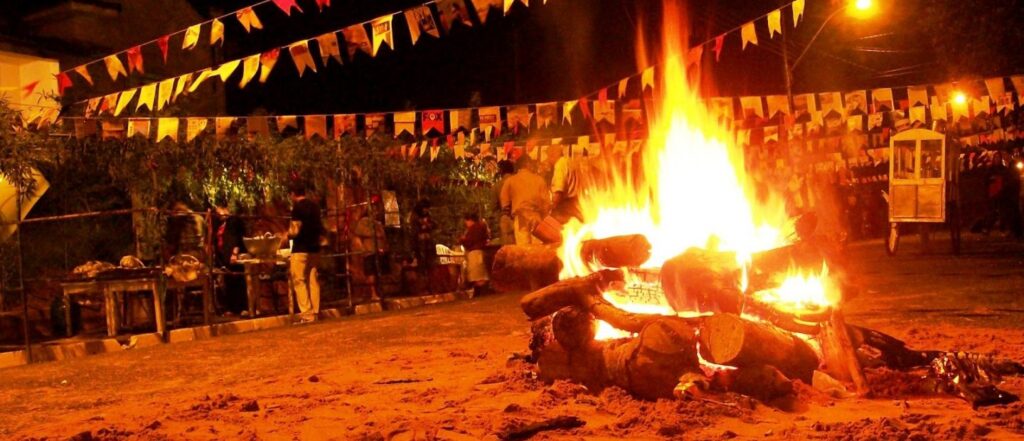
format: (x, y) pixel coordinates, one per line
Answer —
(859, 9)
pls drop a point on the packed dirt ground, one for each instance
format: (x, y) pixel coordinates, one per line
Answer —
(444, 373)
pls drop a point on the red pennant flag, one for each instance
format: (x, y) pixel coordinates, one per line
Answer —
(602, 97)
(585, 108)
(287, 5)
(63, 82)
(323, 4)
(719, 42)
(163, 42)
(433, 120)
(449, 138)
(135, 59)
(31, 87)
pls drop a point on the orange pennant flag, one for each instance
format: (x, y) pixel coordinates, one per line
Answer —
(216, 32)
(301, 57)
(382, 33)
(647, 78)
(749, 34)
(138, 127)
(193, 127)
(135, 59)
(267, 61)
(356, 40)
(84, 72)
(247, 17)
(223, 126)
(329, 47)
(316, 125)
(421, 21)
(114, 67)
(483, 8)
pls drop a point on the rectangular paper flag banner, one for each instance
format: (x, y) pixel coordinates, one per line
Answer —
(604, 111)
(405, 122)
(938, 109)
(267, 61)
(166, 88)
(856, 102)
(301, 57)
(356, 40)
(250, 65)
(374, 123)
(917, 96)
(111, 130)
(483, 7)
(752, 106)
(452, 11)
(382, 33)
(247, 17)
(519, 116)
(316, 125)
(433, 120)
(138, 127)
(421, 21)
(123, 100)
(882, 100)
(223, 126)
(344, 125)
(193, 127)
(490, 118)
(917, 114)
(777, 104)
(546, 113)
(146, 96)
(749, 34)
(804, 104)
(1018, 85)
(166, 128)
(459, 119)
(831, 102)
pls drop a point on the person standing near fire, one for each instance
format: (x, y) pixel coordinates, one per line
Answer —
(506, 169)
(305, 230)
(564, 185)
(525, 197)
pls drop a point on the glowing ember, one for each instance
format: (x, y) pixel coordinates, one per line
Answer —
(802, 292)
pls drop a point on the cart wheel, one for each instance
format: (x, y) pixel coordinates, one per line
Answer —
(892, 242)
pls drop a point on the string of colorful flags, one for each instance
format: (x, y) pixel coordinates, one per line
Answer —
(420, 21)
(246, 18)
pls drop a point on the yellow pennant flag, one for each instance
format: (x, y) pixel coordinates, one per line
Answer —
(798, 11)
(123, 100)
(250, 66)
(647, 78)
(382, 33)
(166, 89)
(301, 57)
(749, 34)
(405, 122)
(247, 17)
(166, 128)
(225, 70)
(267, 61)
(203, 76)
(179, 87)
(193, 127)
(774, 23)
(114, 67)
(509, 3)
(146, 95)
(459, 119)
(567, 111)
(623, 84)
(138, 127)
(483, 7)
(329, 47)
(84, 72)
(216, 32)
(191, 37)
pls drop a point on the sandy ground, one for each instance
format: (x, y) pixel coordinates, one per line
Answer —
(443, 372)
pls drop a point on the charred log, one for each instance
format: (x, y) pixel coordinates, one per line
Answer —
(702, 280)
(762, 382)
(518, 267)
(579, 291)
(573, 327)
(617, 252)
(730, 340)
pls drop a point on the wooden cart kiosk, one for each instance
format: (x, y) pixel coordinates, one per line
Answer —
(923, 177)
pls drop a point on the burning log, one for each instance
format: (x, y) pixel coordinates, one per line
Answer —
(730, 340)
(580, 291)
(617, 252)
(573, 327)
(525, 267)
(702, 280)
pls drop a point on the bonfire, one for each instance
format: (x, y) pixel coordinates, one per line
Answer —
(682, 283)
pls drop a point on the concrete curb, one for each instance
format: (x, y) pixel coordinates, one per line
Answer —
(75, 349)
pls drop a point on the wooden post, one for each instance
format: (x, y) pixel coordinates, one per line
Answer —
(159, 289)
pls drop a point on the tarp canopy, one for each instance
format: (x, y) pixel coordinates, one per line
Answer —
(9, 203)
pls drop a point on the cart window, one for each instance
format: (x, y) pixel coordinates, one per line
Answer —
(931, 158)
(903, 160)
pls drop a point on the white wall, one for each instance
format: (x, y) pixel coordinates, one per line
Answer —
(18, 71)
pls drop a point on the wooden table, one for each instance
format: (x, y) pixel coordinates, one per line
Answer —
(253, 269)
(157, 285)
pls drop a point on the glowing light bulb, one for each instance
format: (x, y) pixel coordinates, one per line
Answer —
(1020, 165)
(862, 9)
(863, 5)
(959, 98)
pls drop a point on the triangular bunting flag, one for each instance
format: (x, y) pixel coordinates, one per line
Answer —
(509, 3)
(191, 37)
(147, 94)
(138, 127)
(92, 106)
(257, 127)
(225, 70)
(193, 127)
(123, 100)
(267, 61)
(250, 66)
(749, 34)
(164, 44)
(356, 40)
(490, 121)
(222, 127)
(200, 78)
(63, 82)
(519, 116)
(109, 103)
(623, 85)
(321, 4)
(84, 72)
(114, 67)
(546, 113)
(798, 11)
(719, 43)
(452, 11)
(287, 5)
(647, 78)
(774, 23)
(316, 125)
(483, 8)
(329, 47)
(166, 128)
(405, 122)
(111, 129)
(216, 33)
(777, 105)
(180, 85)
(433, 120)
(301, 57)
(421, 21)
(381, 28)
(165, 90)
(694, 55)
(134, 56)
(247, 17)
(434, 151)
(585, 108)
(567, 111)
